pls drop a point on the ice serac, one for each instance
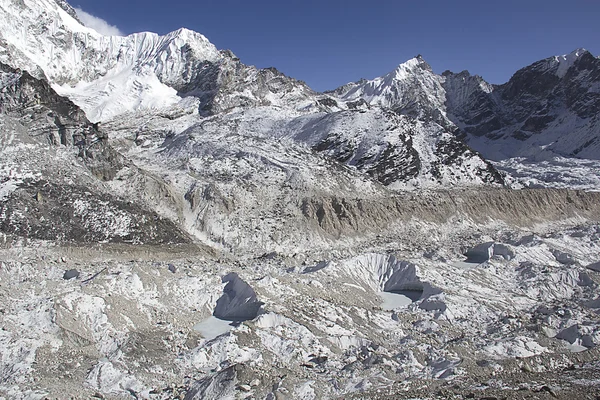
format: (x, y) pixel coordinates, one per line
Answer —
(238, 302)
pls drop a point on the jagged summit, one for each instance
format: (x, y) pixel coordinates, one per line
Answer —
(109, 76)
(568, 60)
(546, 107)
(411, 88)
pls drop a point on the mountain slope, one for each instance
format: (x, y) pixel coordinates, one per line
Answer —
(546, 109)
(52, 161)
(411, 89)
(107, 75)
(549, 107)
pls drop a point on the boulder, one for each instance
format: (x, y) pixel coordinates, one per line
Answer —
(594, 266)
(563, 258)
(71, 274)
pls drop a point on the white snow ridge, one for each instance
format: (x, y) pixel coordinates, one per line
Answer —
(177, 224)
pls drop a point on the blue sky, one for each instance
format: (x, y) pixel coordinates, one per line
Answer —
(331, 42)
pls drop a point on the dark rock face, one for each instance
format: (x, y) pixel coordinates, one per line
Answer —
(220, 385)
(393, 148)
(454, 153)
(553, 100)
(470, 104)
(58, 202)
(229, 83)
(56, 120)
(69, 10)
(395, 163)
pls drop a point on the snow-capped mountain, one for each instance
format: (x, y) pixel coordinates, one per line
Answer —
(411, 89)
(549, 108)
(107, 75)
(223, 129)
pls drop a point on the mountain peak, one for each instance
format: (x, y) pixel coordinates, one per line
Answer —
(186, 33)
(572, 56)
(196, 41)
(416, 61)
(409, 67)
(579, 52)
(566, 61)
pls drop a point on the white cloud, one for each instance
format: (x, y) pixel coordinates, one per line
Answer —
(98, 24)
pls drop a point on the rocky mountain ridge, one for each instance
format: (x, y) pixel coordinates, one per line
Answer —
(546, 109)
(111, 75)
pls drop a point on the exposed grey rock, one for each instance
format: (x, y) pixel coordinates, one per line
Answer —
(594, 266)
(215, 387)
(56, 120)
(74, 214)
(485, 251)
(69, 10)
(563, 258)
(71, 274)
(547, 102)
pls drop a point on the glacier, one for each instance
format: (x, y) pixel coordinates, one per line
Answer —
(235, 233)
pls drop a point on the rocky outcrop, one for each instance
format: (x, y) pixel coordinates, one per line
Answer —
(52, 194)
(52, 119)
(548, 107)
(396, 150)
(236, 85)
